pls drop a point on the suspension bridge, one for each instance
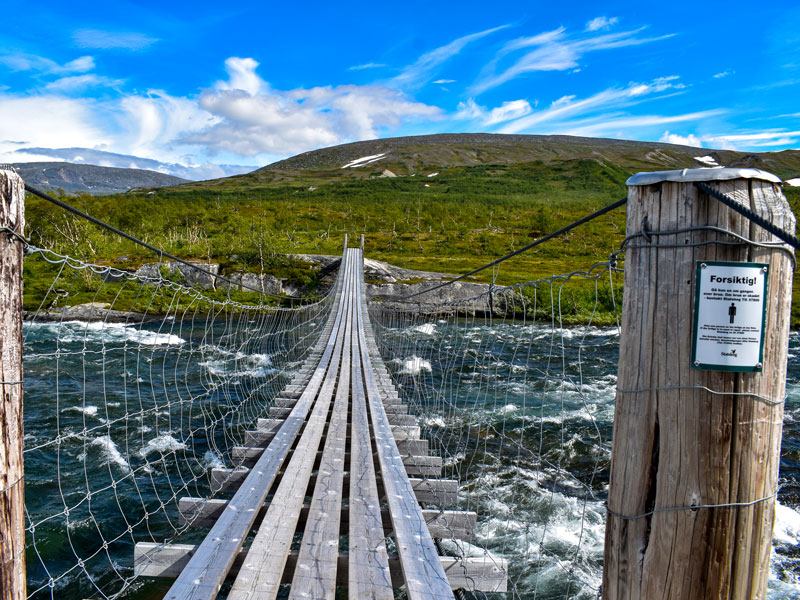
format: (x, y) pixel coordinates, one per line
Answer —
(184, 443)
(342, 399)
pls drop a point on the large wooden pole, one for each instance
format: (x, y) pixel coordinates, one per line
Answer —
(12, 498)
(678, 446)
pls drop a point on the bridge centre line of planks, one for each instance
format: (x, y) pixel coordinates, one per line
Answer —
(336, 470)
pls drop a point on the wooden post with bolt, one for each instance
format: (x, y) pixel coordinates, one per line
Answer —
(12, 497)
(694, 464)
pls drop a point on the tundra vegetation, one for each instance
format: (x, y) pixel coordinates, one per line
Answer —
(457, 220)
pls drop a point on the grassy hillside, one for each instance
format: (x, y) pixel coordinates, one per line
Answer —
(490, 195)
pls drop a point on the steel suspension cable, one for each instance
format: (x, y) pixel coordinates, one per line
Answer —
(749, 214)
(533, 244)
(159, 251)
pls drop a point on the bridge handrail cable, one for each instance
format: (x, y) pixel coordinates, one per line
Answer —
(159, 251)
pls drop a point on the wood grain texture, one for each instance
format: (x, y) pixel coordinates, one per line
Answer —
(422, 571)
(208, 567)
(261, 574)
(451, 524)
(368, 575)
(315, 572)
(685, 447)
(12, 496)
(480, 574)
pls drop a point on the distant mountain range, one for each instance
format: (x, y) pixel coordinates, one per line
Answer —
(90, 179)
(417, 156)
(425, 155)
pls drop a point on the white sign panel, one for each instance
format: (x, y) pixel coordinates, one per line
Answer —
(730, 300)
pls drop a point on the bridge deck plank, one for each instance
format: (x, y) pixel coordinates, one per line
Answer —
(349, 368)
(424, 576)
(315, 572)
(206, 571)
(261, 574)
(368, 572)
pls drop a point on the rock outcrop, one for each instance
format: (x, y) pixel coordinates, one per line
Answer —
(91, 311)
(205, 279)
(393, 285)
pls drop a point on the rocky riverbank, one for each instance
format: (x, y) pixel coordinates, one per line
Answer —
(396, 288)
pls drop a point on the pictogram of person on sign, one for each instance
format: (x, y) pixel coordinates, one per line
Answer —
(732, 311)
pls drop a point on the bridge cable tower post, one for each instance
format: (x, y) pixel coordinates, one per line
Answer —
(694, 465)
(12, 494)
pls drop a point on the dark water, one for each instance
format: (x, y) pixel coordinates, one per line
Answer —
(121, 423)
(524, 416)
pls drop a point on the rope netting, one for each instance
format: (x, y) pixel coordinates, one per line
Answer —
(135, 388)
(515, 389)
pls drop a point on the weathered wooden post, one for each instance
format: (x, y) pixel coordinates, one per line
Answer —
(12, 517)
(697, 429)
(362, 242)
(345, 241)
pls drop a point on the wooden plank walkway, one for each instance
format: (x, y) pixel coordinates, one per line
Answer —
(336, 470)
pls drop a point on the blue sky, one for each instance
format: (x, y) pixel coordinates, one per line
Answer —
(206, 89)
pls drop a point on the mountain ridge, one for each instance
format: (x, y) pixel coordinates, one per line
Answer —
(428, 154)
(76, 178)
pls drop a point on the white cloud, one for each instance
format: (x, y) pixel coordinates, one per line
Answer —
(761, 139)
(689, 140)
(507, 111)
(567, 107)
(239, 120)
(600, 113)
(622, 126)
(106, 40)
(253, 119)
(242, 76)
(76, 83)
(444, 81)
(31, 62)
(551, 51)
(736, 141)
(49, 121)
(366, 66)
(469, 110)
(724, 74)
(422, 70)
(601, 23)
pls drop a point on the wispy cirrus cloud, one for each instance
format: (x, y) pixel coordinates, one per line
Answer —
(112, 40)
(365, 66)
(40, 64)
(424, 68)
(554, 50)
(736, 141)
(513, 109)
(80, 83)
(611, 125)
(601, 112)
